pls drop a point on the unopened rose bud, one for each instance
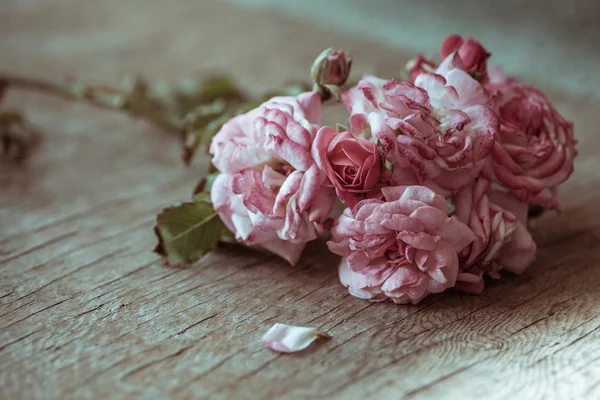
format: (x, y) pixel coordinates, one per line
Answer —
(450, 45)
(331, 67)
(473, 55)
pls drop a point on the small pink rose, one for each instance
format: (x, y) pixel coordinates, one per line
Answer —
(352, 164)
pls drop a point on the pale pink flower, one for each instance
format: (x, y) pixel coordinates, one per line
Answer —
(272, 193)
(282, 127)
(352, 163)
(441, 126)
(501, 236)
(401, 248)
(237, 145)
(535, 149)
(276, 212)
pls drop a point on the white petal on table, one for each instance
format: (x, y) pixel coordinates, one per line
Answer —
(290, 339)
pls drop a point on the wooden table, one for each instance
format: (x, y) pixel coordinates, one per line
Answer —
(88, 311)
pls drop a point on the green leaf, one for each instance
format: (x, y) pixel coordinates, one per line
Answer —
(187, 231)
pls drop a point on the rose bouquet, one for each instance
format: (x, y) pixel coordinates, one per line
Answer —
(437, 172)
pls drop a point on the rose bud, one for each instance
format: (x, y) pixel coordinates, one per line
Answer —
(474, 56)
(450, 45)
(331, 67)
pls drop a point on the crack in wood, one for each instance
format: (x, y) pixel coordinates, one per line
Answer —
(39, 247)
(196, 324)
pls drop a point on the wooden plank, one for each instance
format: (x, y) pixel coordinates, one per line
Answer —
(87, 311)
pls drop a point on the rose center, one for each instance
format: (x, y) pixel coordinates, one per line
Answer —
(281, 167)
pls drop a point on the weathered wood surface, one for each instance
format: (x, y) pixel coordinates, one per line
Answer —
(87, 311)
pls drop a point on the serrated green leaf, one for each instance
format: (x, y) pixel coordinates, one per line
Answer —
(187, 231)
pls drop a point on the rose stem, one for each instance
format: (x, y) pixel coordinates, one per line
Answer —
(102, 97)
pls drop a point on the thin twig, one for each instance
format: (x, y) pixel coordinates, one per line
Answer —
(99, 96)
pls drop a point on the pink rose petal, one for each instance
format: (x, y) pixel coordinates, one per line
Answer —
(290, 339)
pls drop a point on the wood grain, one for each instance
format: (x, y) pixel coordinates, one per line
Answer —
(87, 311)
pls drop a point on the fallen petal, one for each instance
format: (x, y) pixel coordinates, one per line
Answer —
(290, 339)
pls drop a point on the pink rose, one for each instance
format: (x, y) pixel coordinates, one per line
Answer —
(237, 146)
(441, 126)
(473, 55)
(352, 163)
(501, 237)
(272, 192)
(401, 248)
(277, 212)
(282, 125)
(535, 150)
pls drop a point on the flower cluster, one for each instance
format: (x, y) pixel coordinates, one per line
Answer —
(437, 173)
